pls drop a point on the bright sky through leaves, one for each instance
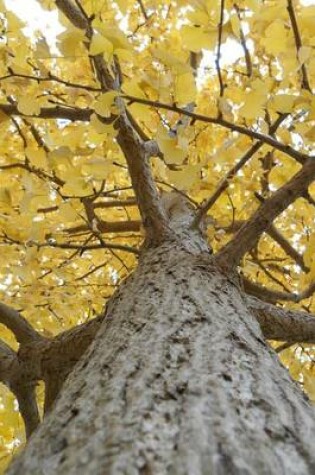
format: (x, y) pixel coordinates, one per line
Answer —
(70, 229)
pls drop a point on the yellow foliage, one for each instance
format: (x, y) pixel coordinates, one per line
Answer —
(50, 167)
(104, 104)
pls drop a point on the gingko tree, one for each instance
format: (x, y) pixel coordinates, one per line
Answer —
(157, 238)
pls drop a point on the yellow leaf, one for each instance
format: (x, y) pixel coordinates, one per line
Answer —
(28, 105)
(112, 34)
(310, 134)
(97, 168)
(253, 106)
(309, 386)
(123, 6)
(195, 39)
(283, 103)
(5, 196)
(42, 49)
(36, 156)
(101, 128)
(70, 42)
(67, 212)
(104, 103)
(60, 158)
(304, 54)
(185, 88)
(235, 24)
(284, 135)
(275, 37)
(185, 178)
(100, 44)
(171, 61)
(132, 88)
(169, 147)
(198, 17)
(3, 117)
(78, 187)
(14, 22)
(309, 254)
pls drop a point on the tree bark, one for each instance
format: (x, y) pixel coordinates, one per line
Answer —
(178, 380)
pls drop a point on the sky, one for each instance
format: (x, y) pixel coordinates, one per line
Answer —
(47, 22)
(39, 19)
(36, 18)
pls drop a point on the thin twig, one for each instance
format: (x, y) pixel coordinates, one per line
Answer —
(298, 43)
(143, 10)
(218, 55)
(248, 60)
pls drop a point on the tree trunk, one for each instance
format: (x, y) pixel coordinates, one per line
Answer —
(178, 381)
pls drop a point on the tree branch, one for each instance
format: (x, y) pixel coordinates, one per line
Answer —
(61, 355)
(15, 375)
(274, 296)
(249, 66)
(245, 239)
(218, 55)
(8, 363)
(298, 43)
(58, 112)
(26, 397)
(151, 210)
(80, 247)
(224, 183)
(77, 114)
(282, 324)
(108, 227)
(143, 10)
(13, 320)
(278, 237)
(152, 213)
(281, 240)
(73, 13)
(267, 139)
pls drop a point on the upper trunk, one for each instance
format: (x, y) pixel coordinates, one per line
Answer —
(178, 381)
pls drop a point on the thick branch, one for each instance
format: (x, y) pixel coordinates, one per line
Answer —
(49, 360)
(73, 13)
(283, 324)
(274, 296)
(278, 237)
(247, 237)
(153, 216)
(26, 397)
(15, 374)
(62, 353)
(57, 112)
(8, 363)
(286, 246)
(108, 227)
(22, 330)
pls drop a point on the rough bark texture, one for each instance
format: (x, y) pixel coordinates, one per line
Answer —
(178, 381)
